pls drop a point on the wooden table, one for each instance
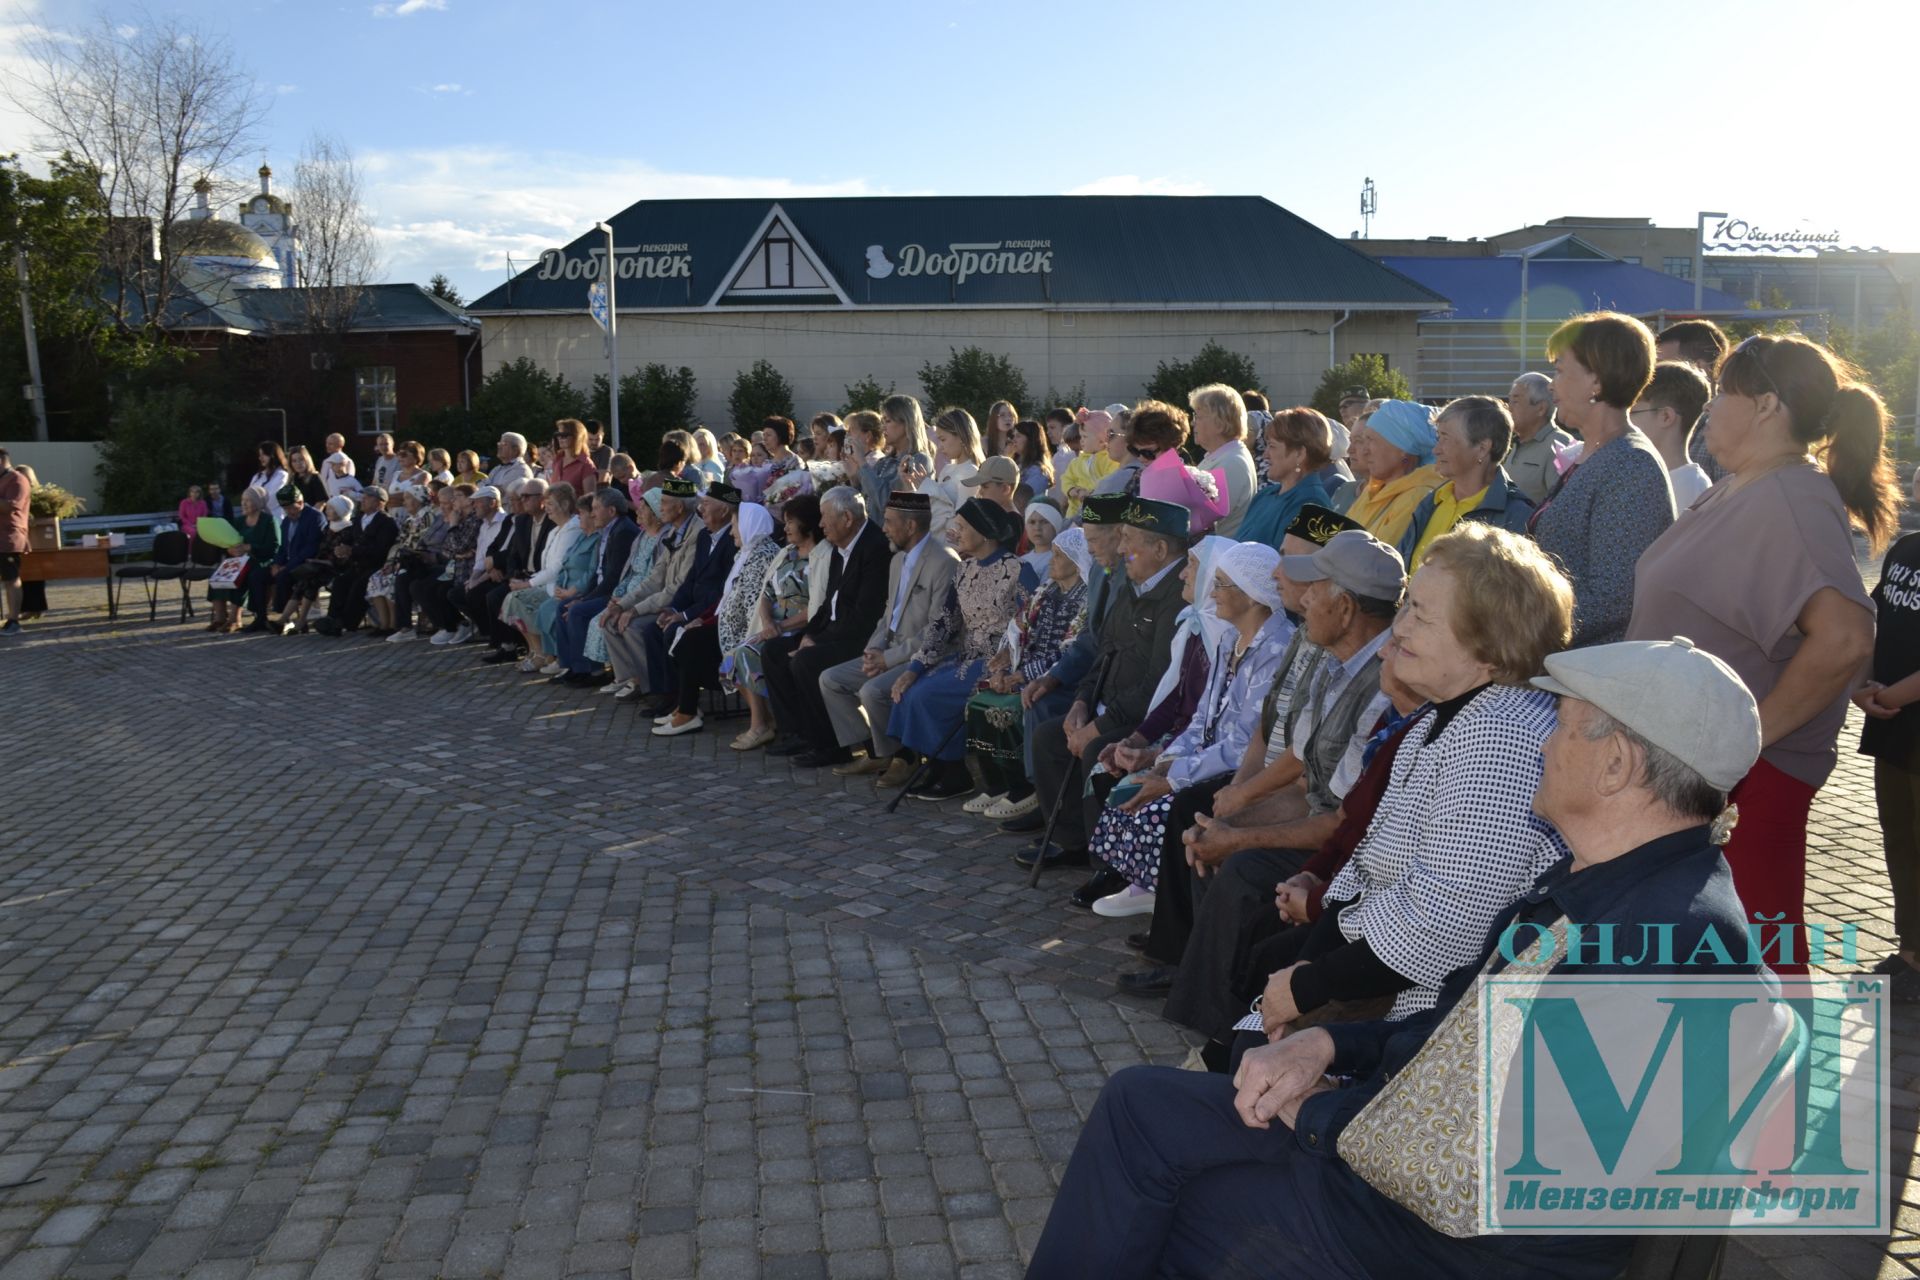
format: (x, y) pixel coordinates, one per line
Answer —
(70, 562)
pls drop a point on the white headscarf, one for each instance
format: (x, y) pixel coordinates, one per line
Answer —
(1200, 621)
(1072, 544)
(1249, 566)
(756, 522)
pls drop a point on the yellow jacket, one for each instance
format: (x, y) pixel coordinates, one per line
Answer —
(1084, 472)
(1387, 509)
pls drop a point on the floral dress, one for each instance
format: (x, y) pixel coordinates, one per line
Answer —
(645, 548)
(996, 723)
(785, 595)
(734, 619)
(953, 653)
(1215, 738)
(413, 527)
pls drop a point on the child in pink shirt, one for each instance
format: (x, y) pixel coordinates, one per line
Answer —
(191, 509)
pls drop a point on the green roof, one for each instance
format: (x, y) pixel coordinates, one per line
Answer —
(1117, 252)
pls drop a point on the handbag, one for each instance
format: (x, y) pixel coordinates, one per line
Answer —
(230, 574)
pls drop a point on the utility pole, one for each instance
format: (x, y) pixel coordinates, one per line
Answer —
(1700, 258)
(36, 392)
(1369, 204)
(613, 342)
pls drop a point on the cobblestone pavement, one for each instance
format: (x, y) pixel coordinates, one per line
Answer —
(337, 959)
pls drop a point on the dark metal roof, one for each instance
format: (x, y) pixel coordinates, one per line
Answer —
(917, 251)
(206, 301)
(1489, 288)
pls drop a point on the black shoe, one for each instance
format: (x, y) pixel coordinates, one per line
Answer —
(1148, 982)
(580, 680)
(949, 787)
(258, 625)
(1139, 941)
(475, 638)
(501, 655)
(790, 747)
(807, 758)
(1035, 821)
(660, 707)
(1904, 987)
(328, 627)
(1055, 856)
(1104, 881)
(378, 633)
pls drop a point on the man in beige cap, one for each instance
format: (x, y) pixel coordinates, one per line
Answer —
(1652, 735)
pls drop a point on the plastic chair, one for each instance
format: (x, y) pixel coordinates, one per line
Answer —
(170, 556)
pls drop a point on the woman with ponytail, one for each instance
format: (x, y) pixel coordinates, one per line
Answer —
(1760, 572)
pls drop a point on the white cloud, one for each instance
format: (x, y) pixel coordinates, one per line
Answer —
(448, 88)
(1132, 184)
(464, 210)
(407, 8)
(284, 89)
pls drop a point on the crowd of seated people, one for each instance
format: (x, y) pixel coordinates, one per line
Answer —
(1282, 684)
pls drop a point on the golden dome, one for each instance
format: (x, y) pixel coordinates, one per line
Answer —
(212, 238)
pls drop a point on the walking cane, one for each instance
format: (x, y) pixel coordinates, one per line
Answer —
(919, 770)
(1046, 838)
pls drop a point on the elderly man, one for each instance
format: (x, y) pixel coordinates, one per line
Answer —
(836, 632)
(613, 513)
(1092, 465)
(629, 616)
(1535, 438)
(697, 596)
(464, 597)
(1136, 643)
(300, 529)
(1187, 1173)
(858, 693)
(512, 558)
(347, 594)
(1284, 800)
(512, 468)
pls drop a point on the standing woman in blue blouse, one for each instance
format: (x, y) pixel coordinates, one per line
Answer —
(1611, 504)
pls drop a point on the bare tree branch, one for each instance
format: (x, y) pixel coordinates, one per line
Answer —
(338, 255)
(152, 103)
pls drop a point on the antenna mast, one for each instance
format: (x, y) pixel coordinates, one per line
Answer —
(1369, 204)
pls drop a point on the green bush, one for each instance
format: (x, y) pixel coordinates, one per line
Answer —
(1074, 397)
(973, 379)
(1173, 379)
(162, 440)
(519, 397)
(653, 401)
(759, 393)
(1369, 371)
(865, 394)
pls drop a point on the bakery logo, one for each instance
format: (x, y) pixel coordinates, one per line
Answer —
(963, 261)
(631, 262)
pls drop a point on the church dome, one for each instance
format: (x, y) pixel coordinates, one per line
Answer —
(212, 238)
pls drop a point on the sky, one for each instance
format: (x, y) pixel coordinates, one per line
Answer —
(487, 128)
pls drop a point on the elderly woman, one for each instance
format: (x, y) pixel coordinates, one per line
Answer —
(522, 608)
(785, 603)
(1400, 469)
(411, 465)
(1471, 436)
(704, 642)
(1245, 660)
(996, 725)
(260, 538)
(902, 459)
(1043, 521)
(336, 548)
(1616, 500)
(957, 456)
(640, 562)
(1760, 573)
(414, 518)
(1220, 429)
(434, 595)
(1455, 839)
(1299, 442)
(930, 696)
(573, 575)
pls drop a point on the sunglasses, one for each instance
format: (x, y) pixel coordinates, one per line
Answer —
(1759, 362)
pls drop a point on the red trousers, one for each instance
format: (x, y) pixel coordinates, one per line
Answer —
(1768, 856)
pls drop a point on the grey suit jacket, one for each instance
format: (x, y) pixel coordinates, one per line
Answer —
(932, 575)
(655, 591)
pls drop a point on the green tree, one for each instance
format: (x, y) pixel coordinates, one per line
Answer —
(1889, 356)
(1173, 379)
(1369, 371)
(759, 393)
(973, 379)
(1776, 300)
(653, 401)
(519, 397)
(163, 439)
(1074, 397)
(442, 288)
(865, 394)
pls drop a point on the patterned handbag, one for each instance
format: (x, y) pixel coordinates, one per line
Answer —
(1417, 1141)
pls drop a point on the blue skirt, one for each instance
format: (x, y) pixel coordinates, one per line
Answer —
(928, 719)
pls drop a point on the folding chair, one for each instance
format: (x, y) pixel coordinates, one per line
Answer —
(170, 555)
(200, 566)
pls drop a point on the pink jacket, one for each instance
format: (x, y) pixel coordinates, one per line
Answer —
(191, 509)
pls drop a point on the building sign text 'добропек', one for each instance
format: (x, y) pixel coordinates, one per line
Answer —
(630, 262)
(962, 261)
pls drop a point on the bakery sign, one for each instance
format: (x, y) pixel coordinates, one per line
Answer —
(630, 262)
(961, 261)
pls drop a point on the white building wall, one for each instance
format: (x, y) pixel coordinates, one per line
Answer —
(821, 353)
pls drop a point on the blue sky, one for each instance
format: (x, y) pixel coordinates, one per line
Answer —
(489, 128)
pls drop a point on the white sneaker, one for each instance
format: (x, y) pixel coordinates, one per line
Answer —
(1130, 901)
(464, 634)
(528, 665)
(403, 635)
(1004, 809)
(441, 637)
(613, 690)
(552, 668)
(982, 802)
(627, 692)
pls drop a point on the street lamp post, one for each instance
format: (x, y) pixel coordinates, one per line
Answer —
(613, 340)
(1700, 258)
